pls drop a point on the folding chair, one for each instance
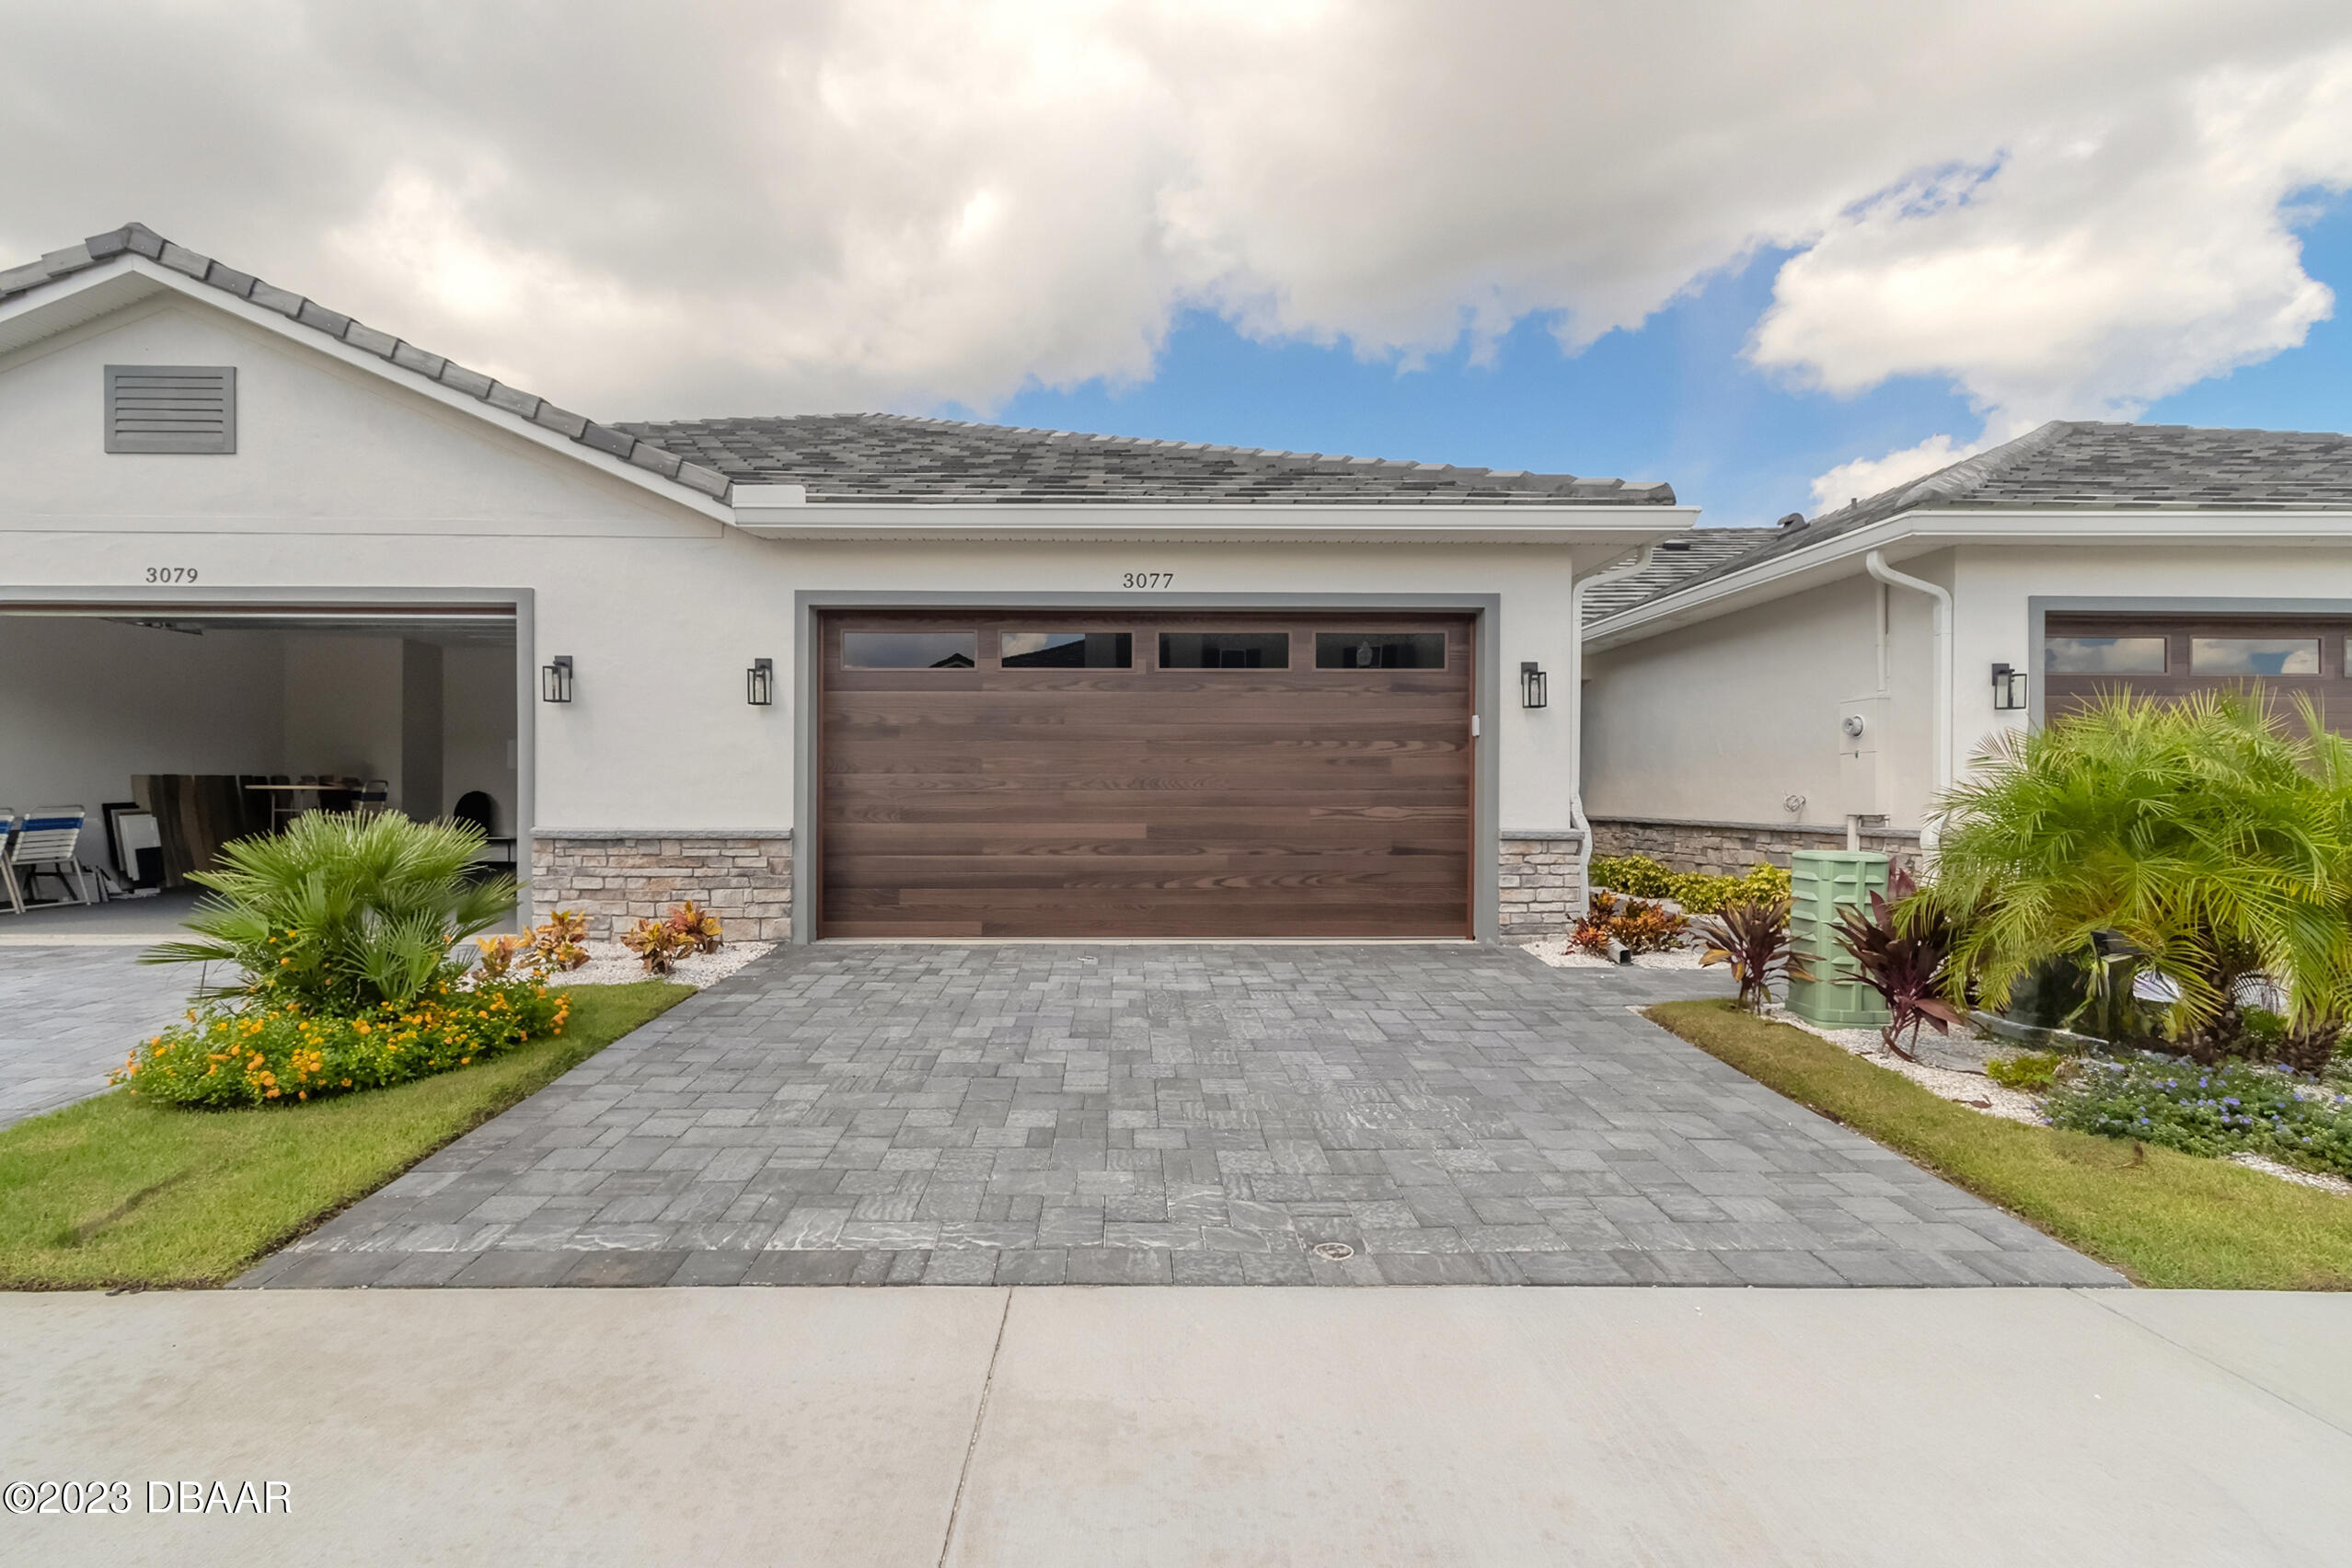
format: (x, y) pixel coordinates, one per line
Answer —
(7, 877)
(45, 841)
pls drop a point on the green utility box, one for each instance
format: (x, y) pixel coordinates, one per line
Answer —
(1822, 882)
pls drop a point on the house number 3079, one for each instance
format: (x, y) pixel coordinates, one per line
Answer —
(171, 574)
(1147, 580)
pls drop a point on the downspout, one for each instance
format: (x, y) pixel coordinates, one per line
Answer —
(1575, 683)
(1940, 705)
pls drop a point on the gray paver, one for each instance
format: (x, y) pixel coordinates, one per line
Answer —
(1017, 1113)
(70, 1015)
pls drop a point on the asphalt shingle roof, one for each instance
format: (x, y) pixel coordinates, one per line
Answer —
(900, 457)
(139, 239)
(2070, 464)
(1676, 561)
(889, 458)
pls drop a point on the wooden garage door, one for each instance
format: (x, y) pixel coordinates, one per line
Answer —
(2170, 655)
(1104, 775)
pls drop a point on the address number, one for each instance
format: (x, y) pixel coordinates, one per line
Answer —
(171, 574)
(1147, 580)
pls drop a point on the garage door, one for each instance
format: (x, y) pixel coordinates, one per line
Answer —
(1101, 774)
(2168, 656)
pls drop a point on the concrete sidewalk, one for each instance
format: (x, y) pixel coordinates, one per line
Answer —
(1082, 1426)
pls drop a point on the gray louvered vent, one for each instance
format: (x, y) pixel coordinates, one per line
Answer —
(171, 408)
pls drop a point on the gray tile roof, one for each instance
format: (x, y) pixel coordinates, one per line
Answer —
(900, 457)
(1680, 559)
(141, 240)
(876, 457)
(2069, 465)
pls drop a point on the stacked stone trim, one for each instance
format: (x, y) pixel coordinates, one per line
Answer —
(617, 879)
(1539, 885)
(1727, 848)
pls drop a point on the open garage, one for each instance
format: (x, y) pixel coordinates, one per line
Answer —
(169, 730)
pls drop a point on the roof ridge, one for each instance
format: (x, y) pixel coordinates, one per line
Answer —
(1971, 473)
(1227, 448)
(138, 239)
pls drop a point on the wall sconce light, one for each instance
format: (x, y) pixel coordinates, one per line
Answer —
(555, 680)
(759, 682)
(2009, 689)
(1532, 686)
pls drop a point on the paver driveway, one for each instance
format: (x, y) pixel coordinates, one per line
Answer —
(1108, 1114)
(69, 1015)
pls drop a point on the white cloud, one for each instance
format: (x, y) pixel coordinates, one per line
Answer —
(1865, 477)
(2134, 248)
(734, 205)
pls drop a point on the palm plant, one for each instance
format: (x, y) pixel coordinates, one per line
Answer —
(341, 913)
(2201, 839)
(1754, 939)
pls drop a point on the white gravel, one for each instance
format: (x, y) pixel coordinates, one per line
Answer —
(1556, 952)
(1972, 1089)
(2269, 1167)
(610, 963)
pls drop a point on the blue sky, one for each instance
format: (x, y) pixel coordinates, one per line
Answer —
(1675, 400)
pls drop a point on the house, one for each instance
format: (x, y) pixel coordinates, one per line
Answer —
(857, 675)
(1752, 691)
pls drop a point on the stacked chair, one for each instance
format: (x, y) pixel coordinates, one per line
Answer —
(40, 842)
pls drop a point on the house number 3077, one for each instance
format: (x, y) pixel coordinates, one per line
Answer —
(1147, 580)
(171, 574)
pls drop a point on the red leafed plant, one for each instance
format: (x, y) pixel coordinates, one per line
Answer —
(657, 946)
(1639, 925)
(697, 929)
(1903, 956)
(1754, 939)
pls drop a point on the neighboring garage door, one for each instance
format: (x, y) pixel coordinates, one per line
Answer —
(2083, 655)
(1009, 774)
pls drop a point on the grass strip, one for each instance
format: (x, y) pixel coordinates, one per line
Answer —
(117, 1190)
(2162, 1217)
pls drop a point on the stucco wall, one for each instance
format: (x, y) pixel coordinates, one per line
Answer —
(343, 481)
(1726, 719)
(1719, 720)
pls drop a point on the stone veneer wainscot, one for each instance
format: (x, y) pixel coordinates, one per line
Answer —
(619, 877)
(1539, 883)
(1728, 848)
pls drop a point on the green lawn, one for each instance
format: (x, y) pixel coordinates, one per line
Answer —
(115, 1192)
(2164, 1219)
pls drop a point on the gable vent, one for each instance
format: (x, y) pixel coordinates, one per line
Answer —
(171, 408)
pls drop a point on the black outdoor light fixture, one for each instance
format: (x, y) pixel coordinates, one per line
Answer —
(759, 682)
(1532, 692)
(2009, 689)
(555, 680)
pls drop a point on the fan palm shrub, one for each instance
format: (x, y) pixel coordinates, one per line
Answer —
(2203, 840)
(341, 914)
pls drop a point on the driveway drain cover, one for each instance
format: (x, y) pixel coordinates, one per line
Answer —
(1333, 1251)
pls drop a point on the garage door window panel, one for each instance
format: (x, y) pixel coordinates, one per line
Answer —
(2104, 655)
(1225, 650)
(910, 649)
(1067, 649)
(2254, 655)
(1379, 651)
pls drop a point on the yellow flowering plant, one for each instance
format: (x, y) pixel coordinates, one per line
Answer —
(283, 1051)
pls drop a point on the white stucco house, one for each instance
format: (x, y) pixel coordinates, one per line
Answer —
(1752, 691)
(838, 677)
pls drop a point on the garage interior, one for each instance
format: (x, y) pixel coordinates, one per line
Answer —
(175, 730)
(1020, 774)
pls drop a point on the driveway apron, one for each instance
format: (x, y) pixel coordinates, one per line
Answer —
(1103, 1114)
